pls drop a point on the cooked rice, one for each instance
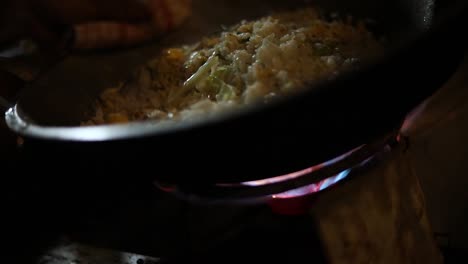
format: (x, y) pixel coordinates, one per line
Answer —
(250, 62)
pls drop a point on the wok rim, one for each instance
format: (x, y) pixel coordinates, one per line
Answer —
(139, 129)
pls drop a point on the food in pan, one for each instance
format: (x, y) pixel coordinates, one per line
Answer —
(252, 61)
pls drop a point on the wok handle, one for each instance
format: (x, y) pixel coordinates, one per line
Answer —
(20, 66)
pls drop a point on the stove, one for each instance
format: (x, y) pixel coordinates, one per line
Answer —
(307, 181)
(272, 220)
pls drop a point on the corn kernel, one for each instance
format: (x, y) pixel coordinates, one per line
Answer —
(175, 54)
(117, 118)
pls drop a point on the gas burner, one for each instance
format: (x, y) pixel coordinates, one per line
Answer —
(294, 185)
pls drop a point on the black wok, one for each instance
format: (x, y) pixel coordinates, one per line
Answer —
(293, 133)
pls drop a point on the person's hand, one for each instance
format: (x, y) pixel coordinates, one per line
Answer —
(46, 21)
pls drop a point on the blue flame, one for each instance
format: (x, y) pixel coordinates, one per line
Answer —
(314, 188)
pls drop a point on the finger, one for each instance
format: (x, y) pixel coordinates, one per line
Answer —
(109, 34)
(77, 11)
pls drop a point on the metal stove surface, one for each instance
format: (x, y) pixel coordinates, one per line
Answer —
(156, 227)
(78, 253)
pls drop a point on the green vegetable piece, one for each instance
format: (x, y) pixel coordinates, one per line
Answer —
(226, 93)
(202, 72)
(211, 86)
(223, 73)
